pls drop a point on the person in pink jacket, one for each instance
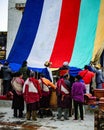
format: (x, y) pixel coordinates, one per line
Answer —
(18, 100)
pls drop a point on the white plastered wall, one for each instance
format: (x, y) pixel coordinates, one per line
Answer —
(14, 19)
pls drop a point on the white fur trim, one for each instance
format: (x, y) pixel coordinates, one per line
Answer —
(63, 89)
(45, 88)
(32, 88)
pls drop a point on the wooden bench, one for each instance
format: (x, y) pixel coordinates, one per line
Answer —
(99, 93)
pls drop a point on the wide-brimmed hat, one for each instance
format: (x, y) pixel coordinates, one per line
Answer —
(47, 63)
(98, 66)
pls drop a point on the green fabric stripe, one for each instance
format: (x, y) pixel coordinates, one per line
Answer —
(84, 43)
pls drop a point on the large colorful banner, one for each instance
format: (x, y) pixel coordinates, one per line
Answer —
(58, 31)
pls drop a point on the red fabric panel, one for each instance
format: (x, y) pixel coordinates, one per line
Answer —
(66, 34)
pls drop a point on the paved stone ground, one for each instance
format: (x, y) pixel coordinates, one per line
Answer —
(8, 122)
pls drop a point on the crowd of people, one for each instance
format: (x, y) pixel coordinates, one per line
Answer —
(36, 92)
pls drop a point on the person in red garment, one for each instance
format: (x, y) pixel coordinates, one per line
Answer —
(32, 95)
(64, 69)
(46, 89)
(87, 76)
(63, 97)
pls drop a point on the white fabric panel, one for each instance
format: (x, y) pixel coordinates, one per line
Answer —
(46, 33)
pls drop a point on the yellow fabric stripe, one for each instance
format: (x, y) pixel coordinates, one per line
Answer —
(99, 39)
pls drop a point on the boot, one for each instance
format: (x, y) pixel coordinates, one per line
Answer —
(15, 112)
(20, 113)
(28, 115)
(66, 113)
(70, 112)
(34, 115)
(40, 113)
(59, 113)
(48, 113)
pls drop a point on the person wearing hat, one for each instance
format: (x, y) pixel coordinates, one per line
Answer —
(77, 92)
(99, 75)
(47, 72)
(64, 69)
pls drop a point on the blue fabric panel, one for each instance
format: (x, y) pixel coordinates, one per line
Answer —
(27, 31)
(74, 71)
(45, 72)
(15, 67)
